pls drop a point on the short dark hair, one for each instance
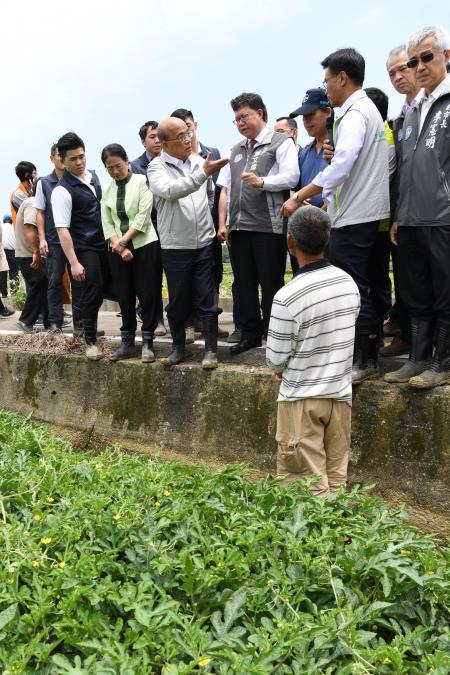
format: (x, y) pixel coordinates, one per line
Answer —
(53, 149)
(145, 127)
(24, 171)
(253, 101)
(380, 99)
(289, 121)
(7, 218)
(348, 60)
(70, 141)
(310, 227)
(183, 114)
(114, 150)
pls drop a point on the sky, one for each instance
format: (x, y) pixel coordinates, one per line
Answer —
(103, 67)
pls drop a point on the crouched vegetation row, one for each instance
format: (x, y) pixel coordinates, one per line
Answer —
(117, 563)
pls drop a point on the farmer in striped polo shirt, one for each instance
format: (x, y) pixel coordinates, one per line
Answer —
(310, 348)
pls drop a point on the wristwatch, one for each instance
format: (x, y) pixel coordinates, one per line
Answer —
(295, 196)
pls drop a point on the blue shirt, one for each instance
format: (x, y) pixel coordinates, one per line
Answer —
(311, 163)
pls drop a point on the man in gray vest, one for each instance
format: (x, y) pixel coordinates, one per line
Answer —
(263, 168)
(355, 188)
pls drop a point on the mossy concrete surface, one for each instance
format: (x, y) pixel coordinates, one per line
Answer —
(401, 437)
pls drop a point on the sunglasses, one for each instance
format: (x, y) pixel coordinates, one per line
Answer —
(425, 58)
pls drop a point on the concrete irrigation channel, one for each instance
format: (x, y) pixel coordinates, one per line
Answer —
(400, 438)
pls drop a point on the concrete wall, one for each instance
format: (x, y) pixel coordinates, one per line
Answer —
(401, 437)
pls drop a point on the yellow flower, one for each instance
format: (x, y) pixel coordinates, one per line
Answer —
(405, 552)
(102, 476)
(50, 500)
(430, 573)
(166, 493)
(222, 532)
(35, 563)
(203, 662)
(37, 517)
(387, 660)
(62, 564)
(117, 516)
(220, 564)
(98, 465)
(46, 540)
(10, 581)
(157, 504)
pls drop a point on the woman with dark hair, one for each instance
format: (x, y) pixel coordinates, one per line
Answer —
(134, 250)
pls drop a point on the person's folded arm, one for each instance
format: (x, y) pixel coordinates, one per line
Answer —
(288, 173)
(163, 185)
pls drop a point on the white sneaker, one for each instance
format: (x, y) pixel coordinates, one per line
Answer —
(93, 352)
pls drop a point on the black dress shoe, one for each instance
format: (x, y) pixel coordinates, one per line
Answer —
(244, 345)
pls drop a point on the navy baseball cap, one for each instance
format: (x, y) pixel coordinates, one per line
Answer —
(313, 99)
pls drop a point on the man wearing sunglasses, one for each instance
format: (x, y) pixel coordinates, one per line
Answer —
(422, 226)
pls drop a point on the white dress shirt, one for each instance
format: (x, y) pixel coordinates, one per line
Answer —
(62, 201)
(183, 164)
(350, 134)
(285, 172)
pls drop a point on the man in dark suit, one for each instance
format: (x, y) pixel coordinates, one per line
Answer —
(149, 138)
(202, 150)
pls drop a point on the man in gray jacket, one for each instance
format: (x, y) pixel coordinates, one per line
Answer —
(183, 195)
(422, 227)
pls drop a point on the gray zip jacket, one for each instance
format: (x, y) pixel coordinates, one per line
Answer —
(424, 165)
(182, 202)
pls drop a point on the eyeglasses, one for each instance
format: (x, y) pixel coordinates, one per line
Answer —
(424, 58)
(325, 82)
(181, 137)
(242, 118)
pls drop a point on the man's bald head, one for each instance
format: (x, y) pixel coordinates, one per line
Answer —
(175, 137)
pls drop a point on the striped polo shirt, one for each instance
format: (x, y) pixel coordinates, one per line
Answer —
(312, 331)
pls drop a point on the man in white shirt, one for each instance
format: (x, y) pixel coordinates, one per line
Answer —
(76, 212)
(263, 168)
(355, 188)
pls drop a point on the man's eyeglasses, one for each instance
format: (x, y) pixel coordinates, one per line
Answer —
(241, 119)
(181, 137)
(424, 58)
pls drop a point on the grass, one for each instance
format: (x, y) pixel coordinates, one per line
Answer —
(117, 563)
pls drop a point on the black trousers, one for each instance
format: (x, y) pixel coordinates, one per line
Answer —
(259, 260)
(95, 284)
(380, 281)
(235, 293)
(399, 311)
(36, 301)
(138, 278)
(424, 271)
(13, 273)
(190, 282)
(349, 249)
(56, 264)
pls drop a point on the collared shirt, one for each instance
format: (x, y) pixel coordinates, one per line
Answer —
(349, 139)
(425, 102)
(62, 201)
(8, 236)
(311, 163)
(26, 215)
(183, 164)
(285, 172)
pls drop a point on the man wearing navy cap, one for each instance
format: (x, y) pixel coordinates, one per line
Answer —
(315, 110)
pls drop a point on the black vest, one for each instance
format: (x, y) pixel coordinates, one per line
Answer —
(86, 222)
(48, 183)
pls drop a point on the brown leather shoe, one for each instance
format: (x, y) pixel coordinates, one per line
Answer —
(395, 348)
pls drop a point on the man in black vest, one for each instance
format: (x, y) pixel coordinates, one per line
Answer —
(76, 212)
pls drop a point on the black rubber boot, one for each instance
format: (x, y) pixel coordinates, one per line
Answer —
(148, 355)
(366, 352)
(210, 331)
(439, 372)
(422, 332)
(126, 349)
(93, 352)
